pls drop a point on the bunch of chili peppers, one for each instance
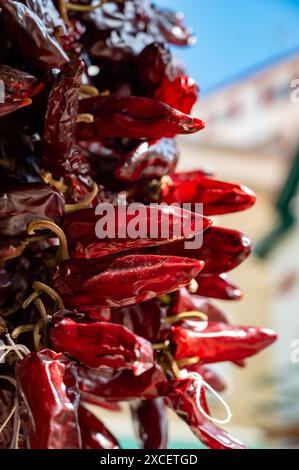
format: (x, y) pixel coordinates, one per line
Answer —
(93, 102)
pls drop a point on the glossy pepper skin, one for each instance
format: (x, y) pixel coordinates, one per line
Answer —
(134, 117)
(180, 93)
(94, 434)
(218, 342)
(48, 388)
(30, 37)
(217, 197)
(218, 286)
(222, 250)
(102, 345)
(181, 397)
(119, 281)
(23, 203)
(83, 229)
(150, 159)
(150, 423)
(120, 385)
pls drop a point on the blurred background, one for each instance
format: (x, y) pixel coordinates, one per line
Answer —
(245, 61)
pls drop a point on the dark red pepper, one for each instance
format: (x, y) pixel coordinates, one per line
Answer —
(30, 37)
(7, 397)
(119, 281)
(134, 117)
(150, 423)
(84, 228)
(94, 434)
(102, 345)
(48, 388)
(151, 159)
(217, 197)
(222, 250)
(153, 64)
(21, 204)
(218, 342)
(218, 286)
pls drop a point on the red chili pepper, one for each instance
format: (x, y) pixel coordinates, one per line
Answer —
(153, 64)
(102, 345)
(23, 203)
(151, 159)
(182, 398)
(143, 319)
(119, 385)
(150, 423)
(30, 38)
(218, 342)
(48, 387)
(133, 117)
(94, 434)
(180, 93)
(217, 197)
(84, 228)
(119, 281)
(222, 250)
(218, 286)
(186, 302)
(6, 404)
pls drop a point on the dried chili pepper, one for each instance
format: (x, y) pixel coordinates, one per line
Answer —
(133, 117)
(94, 434)
(218, 286)
(102, 345)
(217, 197)
(51, 405)
(183, 399)
(180, 93)
(218, 342)
(30, 37)
(152, 65)
(84, 228)
(6, 407)
(222, 250)
(151, 159)
(21, 204)
(150, 423)
(119, 281)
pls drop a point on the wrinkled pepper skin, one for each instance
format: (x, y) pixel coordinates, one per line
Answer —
(119, 385)
(151, 159)
(80, 228)
(24, 203)
(181, 397)
(94, 434)
(144, 319)
(150, 423)
(102, 345)
(120, 281)
(218, 342)
(48, 388)
(222, 250)
(6, 404)
(29, 36)
(134, 117)
(218, 286)
(217, 197)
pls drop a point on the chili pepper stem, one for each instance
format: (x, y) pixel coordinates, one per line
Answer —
(189, 361)
(21, 329)
(62, 7)
(49, 225)
(58, 184)
(184, 316)
(89, 90)
(160, 346)
(85, 202)
(85, 117)
(37, 336)
(40, 287)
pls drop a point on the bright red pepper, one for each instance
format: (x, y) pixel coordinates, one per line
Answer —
(180, 93)
(218, 342)
(150, 423)
(102, 345)
(133, 117)
(48, 387)
(222, 250)
(218, 286)
(217, 197)
(94, 434)
(83, 229)
(182, 398)
(151, 159)
(119, 281)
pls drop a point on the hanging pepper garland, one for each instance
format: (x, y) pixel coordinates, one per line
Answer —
(93, 102)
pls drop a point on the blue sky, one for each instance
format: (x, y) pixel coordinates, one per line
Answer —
(236, 36)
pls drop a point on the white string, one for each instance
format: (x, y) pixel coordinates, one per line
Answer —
(200, 382)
